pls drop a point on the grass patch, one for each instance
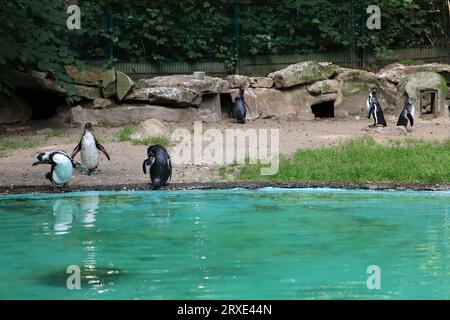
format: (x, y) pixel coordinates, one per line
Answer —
(124, 134)
(362, 160)
(161, 140)
(15, 144)
(54, 134)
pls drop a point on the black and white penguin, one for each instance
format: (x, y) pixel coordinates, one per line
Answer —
(62, 166)
(160, 166)
(89, 148)
(407, 114)
(374, 108)
(240, 107)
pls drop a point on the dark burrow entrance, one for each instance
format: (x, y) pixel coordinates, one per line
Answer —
(43, 104)
(323, 110)
(226, 104)
(428, 104)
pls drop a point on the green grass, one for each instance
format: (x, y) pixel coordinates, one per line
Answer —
(161, 140)
(54, 133)
(14, 144)
(124, 134)
(362, 160)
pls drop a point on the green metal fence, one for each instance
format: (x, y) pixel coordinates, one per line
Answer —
(249, 33)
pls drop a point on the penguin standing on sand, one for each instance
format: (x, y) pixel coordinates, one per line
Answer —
(407, 114)
(374, 108)
(89, 148)
(240, 107)
(62, 166)
(160, 166)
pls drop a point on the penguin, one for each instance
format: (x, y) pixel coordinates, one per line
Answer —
(374, 108)
(62, 167)
(89, 147)
(240, 107)
(407, 114)
(160, 166)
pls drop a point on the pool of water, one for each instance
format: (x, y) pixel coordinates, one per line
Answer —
(235, 244)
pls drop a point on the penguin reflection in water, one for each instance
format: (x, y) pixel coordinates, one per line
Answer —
(89, 148)
(407, 114)
(160, 166)
(62, 167)
(374, 109)
(240, 107)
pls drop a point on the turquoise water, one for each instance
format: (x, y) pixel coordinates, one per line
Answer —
(235, 244)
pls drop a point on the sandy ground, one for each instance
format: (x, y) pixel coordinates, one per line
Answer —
(125, 166)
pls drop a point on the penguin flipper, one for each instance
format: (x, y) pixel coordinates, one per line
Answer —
(76, 150)
(102, 149)
(145, 165)
(82, 169)
(169, 163)
(411, 119)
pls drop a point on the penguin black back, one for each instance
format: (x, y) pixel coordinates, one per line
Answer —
(158, 160)
(239, 107)
(407, 114)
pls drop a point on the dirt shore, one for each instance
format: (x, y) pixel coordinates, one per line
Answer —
(125, 167)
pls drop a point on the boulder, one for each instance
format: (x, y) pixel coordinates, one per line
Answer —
(261, 82)
(130, 114)
(237, 81)
(88, 92)
(303, 73)
(211, 102)
(101, 103)
(123, 85)
(414, 84)
(354, 88)
(394, 72)
(85, 77)
(149, 129)
(302, 101)
(14, 112)
(266, 103)
(324, 87)
(173, 96)
(209, 85)
(109, 83)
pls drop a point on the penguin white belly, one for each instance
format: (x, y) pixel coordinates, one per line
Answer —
(89, 152)
(63, 170)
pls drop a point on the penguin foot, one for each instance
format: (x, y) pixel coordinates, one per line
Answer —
(372, 126)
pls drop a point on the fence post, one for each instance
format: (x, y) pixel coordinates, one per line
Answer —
(363, 31)
(109, 21)
(237, 36)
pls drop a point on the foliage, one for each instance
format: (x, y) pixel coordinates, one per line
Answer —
(14, 144)
(353, 161)
(124, 134)
(35, 37)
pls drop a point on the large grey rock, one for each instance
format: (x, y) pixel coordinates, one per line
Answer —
(173, 96)
(130, 114)
(324, 87)
(148, 129)
(354, 88)
(266, 103)
(109, 83)
(209, 85)
(414, 84)
(87, 77)
(89, 92)
(261, 82)
(211, 102)
(123, 85)
(237, 81)
(394, 72)
(14, 112)
(303, 73)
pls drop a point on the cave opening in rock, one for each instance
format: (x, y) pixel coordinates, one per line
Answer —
(323, 109)
(42, 103)
(428, 104)
(226, 105)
